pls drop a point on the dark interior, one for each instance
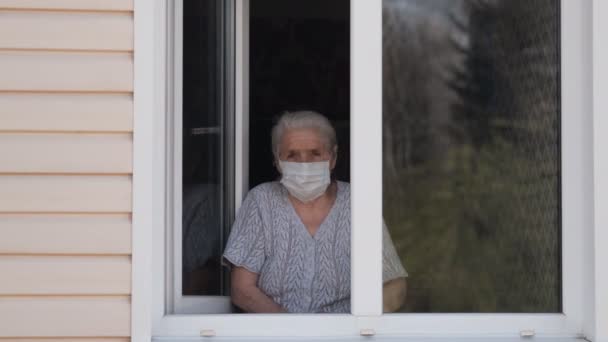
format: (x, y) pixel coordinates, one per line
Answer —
(299, 60)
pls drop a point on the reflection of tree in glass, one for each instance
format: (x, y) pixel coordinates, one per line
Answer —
(416, 98)
(476, 215)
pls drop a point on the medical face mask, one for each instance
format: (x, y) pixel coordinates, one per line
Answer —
(305, 181)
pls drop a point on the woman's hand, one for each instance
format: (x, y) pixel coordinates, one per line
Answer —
(393, 294)
(246, 295)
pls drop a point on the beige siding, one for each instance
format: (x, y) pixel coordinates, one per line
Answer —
(66, 194)
(56, 30)
(63, 275)
(65, 169)
(80, 234)
(66, 112)
(69, 5)
(65, 71)
(76, 339)
(65, 153)
(38, 316)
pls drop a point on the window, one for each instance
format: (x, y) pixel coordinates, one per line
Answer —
(366, 178)
(471, 140)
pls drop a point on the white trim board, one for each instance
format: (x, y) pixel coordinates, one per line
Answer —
(599, 302)
(148, 108)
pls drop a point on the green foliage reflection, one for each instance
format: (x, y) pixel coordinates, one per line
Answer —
(471, 159)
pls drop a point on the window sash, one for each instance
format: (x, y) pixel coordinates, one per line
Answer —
(175, 301)
(366, 97)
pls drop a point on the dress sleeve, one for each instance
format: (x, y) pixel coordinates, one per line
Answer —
(245, 247)
(391, 263)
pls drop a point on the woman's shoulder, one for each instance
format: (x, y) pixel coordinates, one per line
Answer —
(344, 186)
(265, 190)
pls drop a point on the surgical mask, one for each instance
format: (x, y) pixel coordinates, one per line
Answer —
(305, 181)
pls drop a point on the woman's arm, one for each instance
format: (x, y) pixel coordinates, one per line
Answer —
(393, 294)
(246, 294)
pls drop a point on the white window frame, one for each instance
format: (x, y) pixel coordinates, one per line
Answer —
(583, 308)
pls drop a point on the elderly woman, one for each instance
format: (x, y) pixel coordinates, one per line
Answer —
(290, 244)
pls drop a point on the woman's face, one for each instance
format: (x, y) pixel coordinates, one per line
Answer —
(304, 145)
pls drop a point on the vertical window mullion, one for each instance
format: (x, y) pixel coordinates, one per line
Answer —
(175, 171)
(366, 162)
(241, 137)
(575, 87)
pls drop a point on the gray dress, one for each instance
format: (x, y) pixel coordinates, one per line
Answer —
(300, 272)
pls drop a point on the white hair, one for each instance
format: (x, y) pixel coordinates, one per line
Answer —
(304, 119)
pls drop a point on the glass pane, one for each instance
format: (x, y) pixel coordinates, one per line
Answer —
(204, 152)
(472, 152)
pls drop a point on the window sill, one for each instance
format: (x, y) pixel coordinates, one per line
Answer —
(374, 338)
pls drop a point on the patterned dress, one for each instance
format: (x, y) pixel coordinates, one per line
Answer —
(300, 272)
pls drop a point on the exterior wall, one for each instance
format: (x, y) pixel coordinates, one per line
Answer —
(66, 112)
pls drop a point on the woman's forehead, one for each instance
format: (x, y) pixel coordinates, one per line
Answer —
(302, 137)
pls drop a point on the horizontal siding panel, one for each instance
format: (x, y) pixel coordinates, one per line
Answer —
(72, 339)
(103, 5)
(66, 112)
(41, 193)
(65, 31)
(65, 153)
(65, 234)
(60, 275)
(64, 316)
(53, 71)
